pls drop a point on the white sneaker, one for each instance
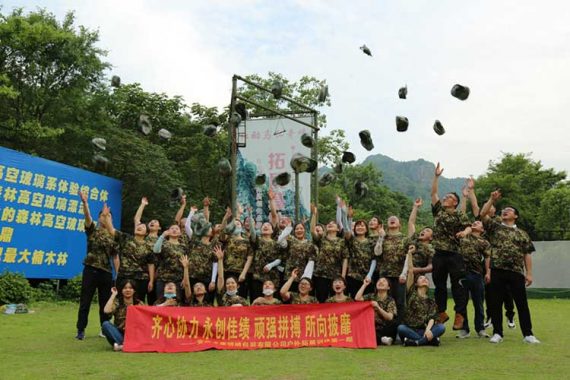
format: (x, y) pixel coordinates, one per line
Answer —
(386, 340)
(101, 334)
(511, 323)
(531, 339)
(462, 334)
(496, 339)
(483, 334)
(488, 323)
(117, 347)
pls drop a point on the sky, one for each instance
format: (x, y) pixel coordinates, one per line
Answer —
(513, 55)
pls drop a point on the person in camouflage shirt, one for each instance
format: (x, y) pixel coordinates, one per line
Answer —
(167, 260)
(300, 253)
(424, 252)
(339, 286)
(267, 298)
(475, 251)
(305, 288)
(331, 252)
(420, 325)
(153, 229)
(391, 257)
(97, 270)
(199, 298)
(267, 257)
(137, 258)
(385, 310)
(447, 262)
(361, 262)
(227, 287)
(238, 257)
(117, 307)
(511, 267)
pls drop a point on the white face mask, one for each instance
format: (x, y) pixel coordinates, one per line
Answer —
(268, 292)
(231, 293)
(169, 295)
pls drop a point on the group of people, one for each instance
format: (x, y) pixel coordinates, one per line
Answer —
(195, 263)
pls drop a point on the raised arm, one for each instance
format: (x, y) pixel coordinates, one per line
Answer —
(285, 294)
(360, 294)
(138, 214)
(495, 195)
(186, 279)
(188, 224)
(206, 203)
(472, 197)
(413, 216)
(274, 217)
(180, 212)
(410, 259)
(86, 212)
(110, 305)
(434, 184)
(220, 256)
(314, 213)
(463, 200)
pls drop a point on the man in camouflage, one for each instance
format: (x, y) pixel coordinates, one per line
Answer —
(447, 261)
(97, 270)
(511, 267)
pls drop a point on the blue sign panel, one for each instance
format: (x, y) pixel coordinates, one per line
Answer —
(42, 230)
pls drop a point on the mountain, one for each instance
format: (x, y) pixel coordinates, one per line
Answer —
(413, 178)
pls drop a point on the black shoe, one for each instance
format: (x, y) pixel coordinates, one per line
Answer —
(434, 342)
(411, 342)
(80, 335)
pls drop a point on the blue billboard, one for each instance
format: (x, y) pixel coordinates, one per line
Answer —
(42, 230)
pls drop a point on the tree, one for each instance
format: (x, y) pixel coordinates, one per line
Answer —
(553, 221)
(47, 67)
(523, 183)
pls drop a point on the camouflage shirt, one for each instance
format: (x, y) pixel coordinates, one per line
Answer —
(424, 251)
(195, 303)
(100, 247)
(388, 305)
(120, 314)
(330, 255)
(266, 251)
(275, 301)
(445, 226)
(295, 299)
(135, 257)
(333, 300)
(168, 263)
(393, 256)
(300, 252)
(508, 246)
(201, 259)
(474, 249)
(361, 254)
(419, 311)
(236, 253)
(225, 300)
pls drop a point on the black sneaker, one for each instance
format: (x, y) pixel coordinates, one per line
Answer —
(410, 342)
(434, 342)
(80, 335)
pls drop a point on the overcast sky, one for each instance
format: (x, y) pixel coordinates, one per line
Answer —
(514, 56)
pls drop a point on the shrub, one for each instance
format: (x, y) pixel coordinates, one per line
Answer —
(72, 290)
(45, 291)
(14, 288)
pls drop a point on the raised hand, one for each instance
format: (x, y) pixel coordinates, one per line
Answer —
(83, 197)
(350, 212)
(470, 182)
(144, 201)
(438, 170)
(496, 195)
(184, 261)
(114, 291)
(218, 252)
(412, 249)
(465, 191)
(183, 200)
(367, 281)
(206, 202)
(228, 213)
(295, 273)
(418, 202)
(193, 209)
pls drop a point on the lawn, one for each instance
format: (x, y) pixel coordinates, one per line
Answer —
(42, 345)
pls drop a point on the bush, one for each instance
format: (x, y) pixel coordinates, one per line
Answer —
(72, 290)
(14, 288)
(45, 291)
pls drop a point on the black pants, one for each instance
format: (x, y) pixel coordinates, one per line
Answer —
(390, 329)
(398, 293)
(323, 288)
(501, 280)
(449, 264)
(93, 279)
(508, 301)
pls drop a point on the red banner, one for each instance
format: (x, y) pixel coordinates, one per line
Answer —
(187, 329)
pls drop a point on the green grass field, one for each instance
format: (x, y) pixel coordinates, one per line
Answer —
(42, 345)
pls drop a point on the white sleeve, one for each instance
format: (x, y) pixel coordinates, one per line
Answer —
(405, 269)
(188, 225)
(158, 245)
(309, 269)
(214, 272)
(273, 264)
(282, 240)
(372, 268)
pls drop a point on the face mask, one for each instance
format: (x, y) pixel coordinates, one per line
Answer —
(169, 295)
(268, 292)
(237, 231)
(231, 293)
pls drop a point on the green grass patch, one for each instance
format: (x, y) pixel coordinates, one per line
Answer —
(42, 345)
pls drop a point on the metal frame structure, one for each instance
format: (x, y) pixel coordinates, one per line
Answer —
(305, 110)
